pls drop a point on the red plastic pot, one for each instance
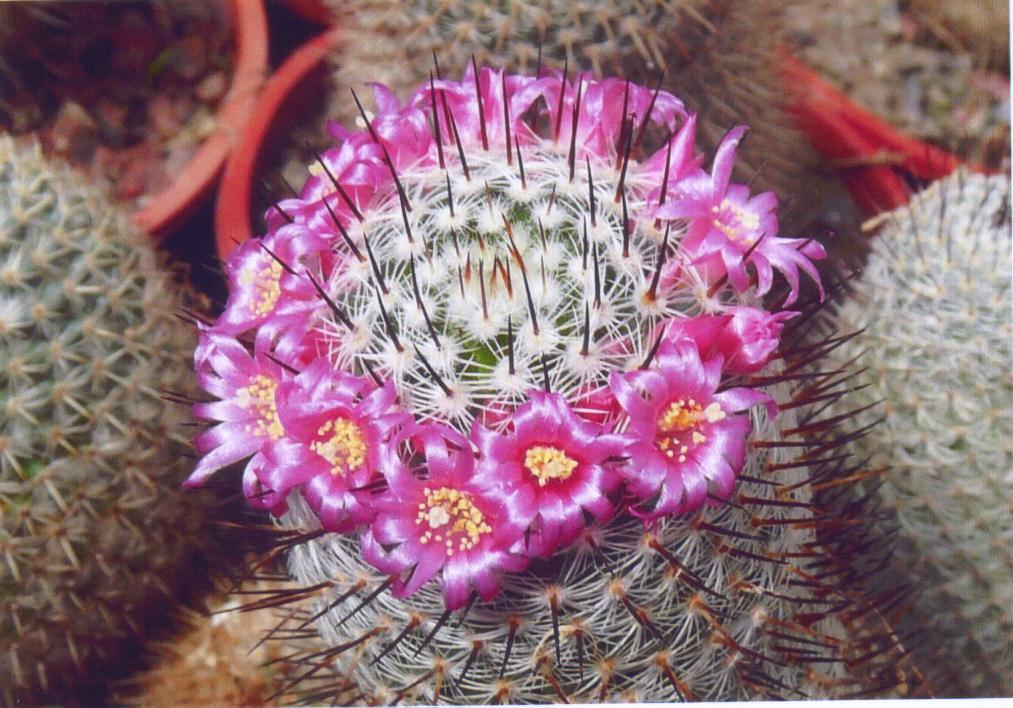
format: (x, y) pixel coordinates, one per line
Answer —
(273, 115)
(313, 10)
(870, 149)
(169, 208)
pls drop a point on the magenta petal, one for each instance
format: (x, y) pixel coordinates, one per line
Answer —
(484, 579)
(596, 483)
(225, 449)
(731, 260)
(735, 400)
(253, 490)
(631, 401)
(291, 464)
(388, 528)
(671, 500)
(694, 481)
(456, 588)
(724, 159)
(374, 554)
(646, 471)
(333, 504)
(727, 439)
(486, 570)
(723, 480)
(521, 505)
(429, 563)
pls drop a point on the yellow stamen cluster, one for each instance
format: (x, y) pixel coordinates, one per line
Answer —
(548, 463)
(266, 286)
(684, 415)
(451, 518)
(744, 221)
(258, 396)
(342, 445)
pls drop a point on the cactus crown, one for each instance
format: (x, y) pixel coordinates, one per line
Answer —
(92, 527)
(510, 273)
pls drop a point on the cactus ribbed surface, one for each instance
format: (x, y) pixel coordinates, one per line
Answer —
(935, 303)
(735, 602)
(93, 529)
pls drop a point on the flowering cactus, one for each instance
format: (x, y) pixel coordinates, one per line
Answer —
(508, 322)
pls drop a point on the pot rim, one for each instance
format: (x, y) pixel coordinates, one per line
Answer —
(168, 208)
(233, 224)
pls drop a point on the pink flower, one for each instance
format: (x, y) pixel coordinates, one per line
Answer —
(361, 165)
(271, 293)
(450, 521)
(247, 411)
(681, 161)
(462, 101)
(357, 164)
(557, 463)
(684, 439)
(745, 337)
(601, 118)
(403, 131)
(599, 122)
(726, 224)
(338, 430)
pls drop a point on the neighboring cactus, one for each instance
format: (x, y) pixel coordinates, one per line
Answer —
(586, 34)
(935, 303)
(218, 657)
(979, 28)
(720, 57)
(94, 533)
(517, 311)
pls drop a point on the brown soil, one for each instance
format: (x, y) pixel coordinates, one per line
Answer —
(127, 90)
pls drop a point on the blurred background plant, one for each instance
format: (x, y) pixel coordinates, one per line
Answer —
(934, 305)
(98, 540)
(936, 70)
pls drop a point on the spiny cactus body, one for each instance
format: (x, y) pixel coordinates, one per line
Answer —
(93, 531)
(505, 357)
(935, 304)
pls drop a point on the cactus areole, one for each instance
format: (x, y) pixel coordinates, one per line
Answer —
(499, 316)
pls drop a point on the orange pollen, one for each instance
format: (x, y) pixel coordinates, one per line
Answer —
(266, 286)
(548, 463)
(258, 397)
(451, 518)
(342, 445)
(679, 426)
(740, 221)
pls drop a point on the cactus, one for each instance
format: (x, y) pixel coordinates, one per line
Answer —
(93, 532)
(518, 312)
(935, 303)
(217, 658)
(584, 34)
(720, 57)
(980, 29)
